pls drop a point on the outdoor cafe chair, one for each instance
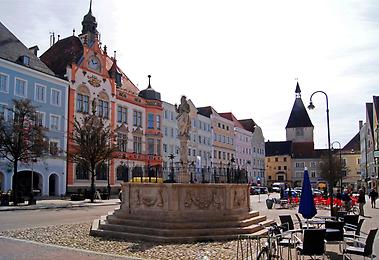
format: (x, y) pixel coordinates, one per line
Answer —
(353, 231)
(334, 232)
(313, 243)
(287, 222)
(362, 248)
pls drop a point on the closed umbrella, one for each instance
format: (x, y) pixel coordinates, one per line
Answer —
(307, 206)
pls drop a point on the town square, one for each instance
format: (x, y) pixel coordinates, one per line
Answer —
(188, 131)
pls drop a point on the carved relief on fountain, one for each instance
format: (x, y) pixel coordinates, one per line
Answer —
(203, 199)
(239, 198)
(148, 198)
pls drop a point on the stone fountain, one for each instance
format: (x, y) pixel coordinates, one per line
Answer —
(183, 211)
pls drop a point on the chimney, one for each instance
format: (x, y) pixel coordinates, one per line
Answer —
(360, 124)
(34, 49)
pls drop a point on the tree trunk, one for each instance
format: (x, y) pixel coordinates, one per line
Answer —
(92, 186)
(14, 190)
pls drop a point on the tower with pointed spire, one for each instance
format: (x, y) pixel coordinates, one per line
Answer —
(299, 126)
(89, 25)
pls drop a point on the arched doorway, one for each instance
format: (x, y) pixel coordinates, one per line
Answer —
(53, 185)
(22, 183)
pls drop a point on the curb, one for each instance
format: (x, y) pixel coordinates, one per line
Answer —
(74, 249)
(55, 206)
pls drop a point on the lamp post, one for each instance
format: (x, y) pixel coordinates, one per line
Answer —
(171, 157)
(339, 147)
(311, 106)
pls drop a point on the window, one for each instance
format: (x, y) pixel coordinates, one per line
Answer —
(40, 93)
(122, 114)
(284, 159)
(299, 165)
(103, 108)
(165, 131)
(40, 118)
(219, 154)
(313, 174)
(189, 151)
(165, 148)
(279, 168)
(299, 132)
(4, 83)
(150, 121)
(55, 98)
(285, 167)
(199, 139)
(81, 172)
(276, 159)
(137, 118)
(158, 119)
(53, 148)
(214, 137)
(194, 152)
(101, 171)
(166, 114)
(150, 146)
(159, 149)
(20, 87)
(54, 122)
(122, 173)
(215, 154)
(122, 142)
(137, 144)
(4, 112)
(172, 132)
(82, 103)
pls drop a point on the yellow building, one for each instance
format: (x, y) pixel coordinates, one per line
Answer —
(278, 162)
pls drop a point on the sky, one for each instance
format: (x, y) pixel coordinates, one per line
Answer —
(238, 56)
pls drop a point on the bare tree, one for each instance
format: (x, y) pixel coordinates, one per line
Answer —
(92, 145)
(332, 174)
(22, 137)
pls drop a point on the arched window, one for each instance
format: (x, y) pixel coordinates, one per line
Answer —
(81, 172)
(101, 171)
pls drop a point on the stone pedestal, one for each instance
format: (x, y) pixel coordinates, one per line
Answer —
(181, 212)
(184, 175)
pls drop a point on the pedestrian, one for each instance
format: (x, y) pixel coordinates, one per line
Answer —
(373, 196)
(281, 193)
(346, 199)
(289, 194)
(361, 201)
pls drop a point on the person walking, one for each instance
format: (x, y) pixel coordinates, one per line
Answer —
(361, 202)
(346, 199)
(373, 196)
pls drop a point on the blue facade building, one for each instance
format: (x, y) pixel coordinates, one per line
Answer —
(24, 76)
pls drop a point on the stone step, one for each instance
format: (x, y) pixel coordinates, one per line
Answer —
(192, 217)
(180, 232)
(111, 219)
(97, 231)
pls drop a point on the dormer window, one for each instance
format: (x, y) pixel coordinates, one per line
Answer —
(25, 60)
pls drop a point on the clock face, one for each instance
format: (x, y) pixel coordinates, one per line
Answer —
(94, 63)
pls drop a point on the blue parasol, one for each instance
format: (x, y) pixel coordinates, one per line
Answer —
(307, 206)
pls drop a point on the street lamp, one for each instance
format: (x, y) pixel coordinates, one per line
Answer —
(339, 145)
(310, 107)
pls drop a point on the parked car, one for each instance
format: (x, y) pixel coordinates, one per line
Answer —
(277, 185)
(293, 193)
(255, 190)
(316, 192)
(298, 190)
